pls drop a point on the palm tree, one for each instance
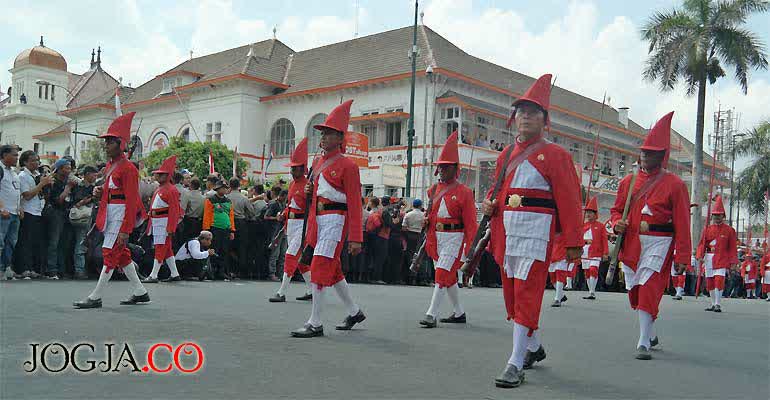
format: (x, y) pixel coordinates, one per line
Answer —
(691, 44)
(754, 180)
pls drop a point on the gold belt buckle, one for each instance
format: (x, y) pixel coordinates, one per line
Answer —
(514, 201)
(644, 227)
(439, 226)
(320, 207)
(291, 215)
(589, 241)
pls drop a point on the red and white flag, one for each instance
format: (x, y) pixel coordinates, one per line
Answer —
(211, 162)
(118, 111)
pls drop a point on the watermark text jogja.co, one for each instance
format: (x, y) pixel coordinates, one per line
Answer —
(161, 358)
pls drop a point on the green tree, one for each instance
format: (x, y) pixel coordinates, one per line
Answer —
(93, 154)
(754, 180)
(691, 44)
(195, 157)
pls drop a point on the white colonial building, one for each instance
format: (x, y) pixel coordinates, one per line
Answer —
(263, 97)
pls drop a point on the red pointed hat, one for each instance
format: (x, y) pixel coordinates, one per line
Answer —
(299, 155)
(449, 153)
(338, 119)
(718, 207)
(539, 93)
(168, 166)
(592, 205)
(121, 129)
(659, 137)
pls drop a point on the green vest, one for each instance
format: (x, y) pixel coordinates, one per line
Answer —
(222, 208)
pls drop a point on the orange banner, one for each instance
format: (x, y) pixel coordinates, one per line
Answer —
(357, 148)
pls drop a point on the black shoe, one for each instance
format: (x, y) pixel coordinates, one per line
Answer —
(349, 321)
(717, 308)
(145, 298)
(642, 353)
(710, 308)
(80, 276)
(150, 280)
(654, 342)
(511, 377)
(590, 297)
(308, 331)
(306, 297)
(277, 298)
(88, 303)
(531, 358)
(428, 322)
(172, 279)
(556, 303)
(452, 319)
(563, 298)
(677, 297)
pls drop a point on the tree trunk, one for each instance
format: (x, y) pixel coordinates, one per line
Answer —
(697, 174)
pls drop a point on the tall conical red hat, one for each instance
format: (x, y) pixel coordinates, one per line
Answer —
(659, 137)
(718, 207)
(338, 119)
(120, 128)
(539, 93)
(449, 153)
(168, 166)
(592, 205)
(299, 155)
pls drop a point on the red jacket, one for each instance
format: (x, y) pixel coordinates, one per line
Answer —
(126, 178)
(462, 209)
(726, 248)
(556, 167)
(599, 246)
(296, 194)
(752, 270)
(169, 194)
(558, 251)
(668, 201)
(342, 175)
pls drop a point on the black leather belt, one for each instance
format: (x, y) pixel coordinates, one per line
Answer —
(448, 227)
(158, 213)
(117, 196)
(296, 215)
(660, 228)
(332, 207)
(516, 201)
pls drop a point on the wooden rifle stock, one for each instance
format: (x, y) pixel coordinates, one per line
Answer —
(277, 239)
(619, 241)
(307, 251)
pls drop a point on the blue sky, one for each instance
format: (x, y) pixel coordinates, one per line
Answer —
(592, 46)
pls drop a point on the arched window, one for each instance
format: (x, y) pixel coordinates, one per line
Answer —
(314, 135)
(282, 137)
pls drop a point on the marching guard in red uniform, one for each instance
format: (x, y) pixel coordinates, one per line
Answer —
(764, 267)
(294, 219)
(658, 224)
(596, 247)
(540, 196)
(120, 211)
(451, 228)
(334, 214)
(717, 252)
(165, 214)
(749, 269)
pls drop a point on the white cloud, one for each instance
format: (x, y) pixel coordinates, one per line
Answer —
(588, 58)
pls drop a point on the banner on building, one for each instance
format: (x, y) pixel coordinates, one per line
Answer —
(357, 148)
(393, 175)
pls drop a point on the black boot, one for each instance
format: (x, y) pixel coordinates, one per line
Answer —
(145, 298)
(351, 320)
(305, 297)
(277, 298)
(88, 303)
(511, 377)
(308, 331)
(532, 357)
(428, 322)
(452, 319)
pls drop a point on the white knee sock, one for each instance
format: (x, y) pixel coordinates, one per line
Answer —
(645, 326)
(306, 276)
(133, 278)
(569, 283)
(315, 313)
(534, 341)
(343, 290)
(520, 340)
(171, 262)
(592, 285)
(155, 269)
(653, 331)
(717, 297)
(435, 301)
(679, 291)
(454, 297)
(559, 291)
(104, 277)
(284, 284)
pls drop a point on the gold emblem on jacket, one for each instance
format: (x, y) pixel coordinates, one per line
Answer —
(514, 201)
(320, 207)
(644, 227)
(439, 226)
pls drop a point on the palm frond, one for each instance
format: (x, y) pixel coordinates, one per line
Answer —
(669, 63)
(753, 182)
(741, 49)
(756, 143)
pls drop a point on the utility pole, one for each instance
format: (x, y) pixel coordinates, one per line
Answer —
(410, 127)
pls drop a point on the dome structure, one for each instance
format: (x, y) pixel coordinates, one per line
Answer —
(41, 56)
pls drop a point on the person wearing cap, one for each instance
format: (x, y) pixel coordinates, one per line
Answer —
(749, 273)
(559, 269)
(378, 225)
(678, 280)
(83, 199)
(596, 246)
(293, 217)
(656, 227)
(451, 224)
(243, 211)
(717, 252)
(165, 214)
(120, 211)
(335, 187)
(764, 270)
(539, 188)
(412, 229)
(219, 219)
(55, 212)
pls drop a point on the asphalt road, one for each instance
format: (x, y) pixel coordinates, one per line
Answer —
(248, 352)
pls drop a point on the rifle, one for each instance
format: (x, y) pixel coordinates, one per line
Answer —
(277, 239)
(483, 233)
(619, 241)
(307, 251)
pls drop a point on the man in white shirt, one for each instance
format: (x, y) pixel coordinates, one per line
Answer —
(192, 253)
(412, 227)
(9, 207)
(32, 246)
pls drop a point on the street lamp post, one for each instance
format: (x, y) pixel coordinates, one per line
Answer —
(410, 128)
(732, 174)
(41, 82)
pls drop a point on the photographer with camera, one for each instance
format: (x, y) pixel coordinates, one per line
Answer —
(55, 214)
(31, 248)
